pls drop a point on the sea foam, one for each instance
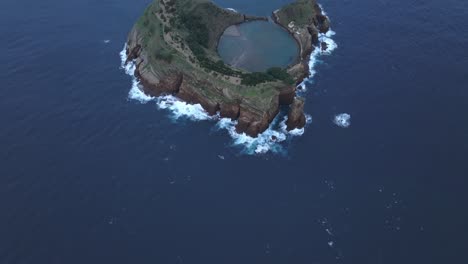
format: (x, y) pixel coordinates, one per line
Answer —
(271, 140)
(342, 120)
(232, 9)
(316, 54)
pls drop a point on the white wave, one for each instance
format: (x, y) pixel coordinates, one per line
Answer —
(315, 55)
(342, 120)
(331, 44)
(232, 9)
(136, 93)
(323, 11)
(297, 131)
(267, 141)
(123, 56)
(106, 41)
(130, 67)
(179, 108)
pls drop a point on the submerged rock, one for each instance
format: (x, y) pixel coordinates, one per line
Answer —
(324, 46)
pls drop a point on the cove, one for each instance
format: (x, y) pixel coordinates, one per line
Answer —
(256, 46)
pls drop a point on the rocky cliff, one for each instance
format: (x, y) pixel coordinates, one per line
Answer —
(168, 61)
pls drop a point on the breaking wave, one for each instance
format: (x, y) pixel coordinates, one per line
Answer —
(232, 9)
(272, 140)
(316, 54)
(181, 109)
(342, 120)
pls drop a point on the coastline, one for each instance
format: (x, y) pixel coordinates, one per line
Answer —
(250, 119)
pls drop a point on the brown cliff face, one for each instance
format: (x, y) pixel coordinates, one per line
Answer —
(296, 116)
(255, 122)
(133, 53)
(313, 31)
(230, 110)
(169, 85)
(322, 23)
(188, 94)
(287, 94)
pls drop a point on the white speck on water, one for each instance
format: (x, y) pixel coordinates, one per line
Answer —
(342, 120)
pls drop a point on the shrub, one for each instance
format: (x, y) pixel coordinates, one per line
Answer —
(255, 78)
(164, 55)
(280, 74)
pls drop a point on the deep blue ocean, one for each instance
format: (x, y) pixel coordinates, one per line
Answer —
(88, 175)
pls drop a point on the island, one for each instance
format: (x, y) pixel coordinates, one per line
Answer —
(174, 48)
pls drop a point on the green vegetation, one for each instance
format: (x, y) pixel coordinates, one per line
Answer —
(301, 12)
(280, 74)
(152, 30)
(198, 31)
(165, 55)
(254, 78)
(272, 74)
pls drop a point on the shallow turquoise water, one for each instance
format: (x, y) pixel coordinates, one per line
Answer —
(261, 45)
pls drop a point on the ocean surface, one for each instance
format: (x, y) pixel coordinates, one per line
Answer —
(257, 46)
(91, 172)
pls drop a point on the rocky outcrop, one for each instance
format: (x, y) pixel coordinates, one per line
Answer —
(323, 46)
(230, 110)
(170, 84)
(253, 122)
(296, 116)
(190, 94)
(322, 23)
(313, 31)
(306, 35)
(287, 94)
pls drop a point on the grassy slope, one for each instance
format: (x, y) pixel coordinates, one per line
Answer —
(301, 12)
(216, 19)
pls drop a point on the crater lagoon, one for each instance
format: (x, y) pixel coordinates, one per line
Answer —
(249, 46)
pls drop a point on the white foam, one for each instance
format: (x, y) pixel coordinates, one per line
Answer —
(130, 67)
(342, 120)
(323, 11)
(177, 107)
(297, 131)
(315, 55)
(267, 141)
(106, 41)
(331, 44)
(181, 109)
(232, 9)
(136, 93)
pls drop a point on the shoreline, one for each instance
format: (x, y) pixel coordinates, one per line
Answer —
(252, 114)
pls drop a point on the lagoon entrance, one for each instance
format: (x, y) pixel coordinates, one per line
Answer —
(256, 46)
